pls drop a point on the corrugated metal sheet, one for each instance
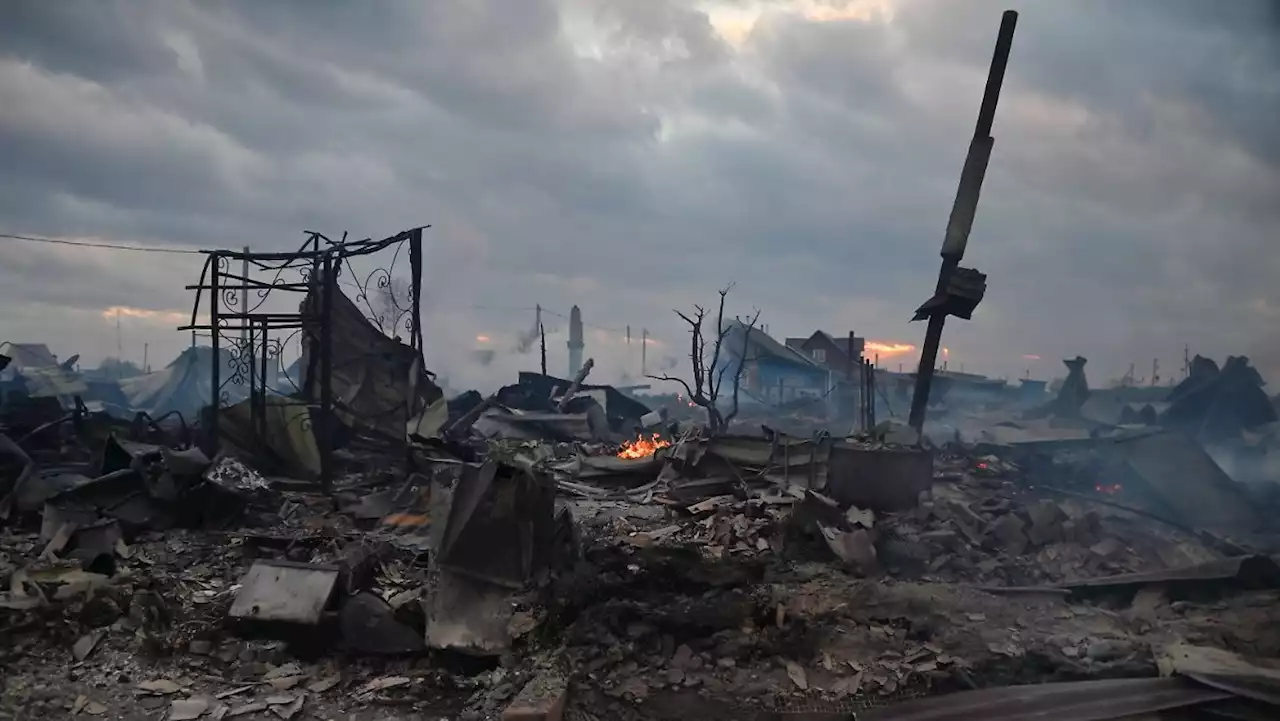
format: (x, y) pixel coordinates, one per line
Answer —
(54, 383)
(29, 355)
(1184, 478)
(1074, 701)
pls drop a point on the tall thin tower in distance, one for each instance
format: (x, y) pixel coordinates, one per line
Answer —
(575, 341)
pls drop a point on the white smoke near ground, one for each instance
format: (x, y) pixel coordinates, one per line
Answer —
(451, 354)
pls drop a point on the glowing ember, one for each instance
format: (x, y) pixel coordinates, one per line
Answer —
(642, 447)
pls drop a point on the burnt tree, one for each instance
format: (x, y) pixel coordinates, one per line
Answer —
(711, 364)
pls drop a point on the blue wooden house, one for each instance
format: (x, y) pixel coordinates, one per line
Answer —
(771, 372)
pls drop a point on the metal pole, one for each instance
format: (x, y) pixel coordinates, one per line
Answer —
(865, 391)
(962, 213)
(245, 335)
(247, 340)
(327, 284)
(848, 370)
(264, 332)
(871, 395)
(215, 376)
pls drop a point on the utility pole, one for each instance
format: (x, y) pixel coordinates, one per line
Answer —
(1186, 361)
(119, 345)
(145, 348)
(542, 333)
(1155, 371)
(951, 296)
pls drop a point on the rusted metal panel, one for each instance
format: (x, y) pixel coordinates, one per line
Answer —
(1074, 701)
(882, 479)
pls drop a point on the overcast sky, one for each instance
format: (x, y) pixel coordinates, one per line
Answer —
(632, 156)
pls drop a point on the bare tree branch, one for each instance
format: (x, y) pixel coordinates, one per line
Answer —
(664, 377)
(721, 331)
(705, 359)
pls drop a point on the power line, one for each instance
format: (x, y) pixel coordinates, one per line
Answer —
(192, 251)
(589, 325)
(104, 246)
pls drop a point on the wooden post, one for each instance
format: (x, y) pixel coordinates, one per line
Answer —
(962, 213)
(849, 371)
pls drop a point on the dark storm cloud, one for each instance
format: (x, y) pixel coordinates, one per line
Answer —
(112, 40)
(628, 157)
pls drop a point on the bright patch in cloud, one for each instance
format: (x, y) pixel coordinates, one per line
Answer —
(886, 348)
(734, 22)
(156, 316)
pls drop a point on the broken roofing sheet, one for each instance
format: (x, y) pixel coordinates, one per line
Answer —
(378, 382)
(1173, 474)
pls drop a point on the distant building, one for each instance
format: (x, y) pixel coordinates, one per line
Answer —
(27, 357)
(771, 372)
(830, 352)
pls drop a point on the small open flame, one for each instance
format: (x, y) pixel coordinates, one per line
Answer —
(1110, 490)
(642, 447)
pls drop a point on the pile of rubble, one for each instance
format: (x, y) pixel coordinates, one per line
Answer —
(558, 550)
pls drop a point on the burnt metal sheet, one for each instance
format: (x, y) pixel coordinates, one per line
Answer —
(621, 410)
(1072, 701)
(1183, 479)
(369, 626)
(469, 616)
(754, 451)
(1246, 571)
(284, 591)
(498, 524)
(534, 425)
(880, 479)
(781, 460)
(1252, 678)
(378, 382)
